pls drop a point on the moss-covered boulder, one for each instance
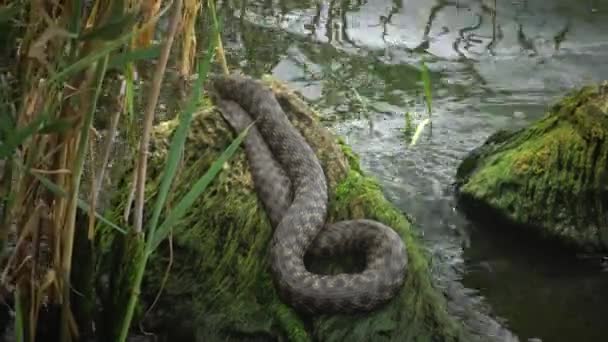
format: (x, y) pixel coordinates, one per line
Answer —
(550, 178)
(218, 286)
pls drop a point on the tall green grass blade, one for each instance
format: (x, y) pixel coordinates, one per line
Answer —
(89, 59)
(197, 189)
(178, 141)
(217, 24)
(174, 155)
(19, 312)
(130, 91)
(76, 20)
(142, 260)
(119, 61)
(426, 81)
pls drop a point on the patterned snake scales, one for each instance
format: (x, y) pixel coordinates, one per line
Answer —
(291, 184)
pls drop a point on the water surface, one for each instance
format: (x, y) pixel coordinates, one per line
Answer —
(494, 65)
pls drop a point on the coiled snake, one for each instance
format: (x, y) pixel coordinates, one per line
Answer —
(291, 184)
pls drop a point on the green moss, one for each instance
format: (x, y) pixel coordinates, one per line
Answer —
(419, 312)
(353, 159)
(219, 287)
(550, 176)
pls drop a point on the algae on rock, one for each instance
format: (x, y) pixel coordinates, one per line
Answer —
(551, 177)
(219, 287)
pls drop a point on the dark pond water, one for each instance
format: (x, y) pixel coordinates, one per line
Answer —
(494, 65)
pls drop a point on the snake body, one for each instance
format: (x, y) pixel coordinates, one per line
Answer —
(291, 184)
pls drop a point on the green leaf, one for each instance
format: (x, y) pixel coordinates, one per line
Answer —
(174, 155)
(129, 91)
(8, 12)
(217, 24)
(89, 59)
(94, 56)
(179, 138)
(112, 29)
(57, 126)
(120, 60)
(19, 136)
(419, 130)
(19, 314)
(13, 137)
(197, 189)
(7, 125)
(426, 81)
(55, 189)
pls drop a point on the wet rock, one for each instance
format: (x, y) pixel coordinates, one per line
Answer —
(219, 287)
(550, 178)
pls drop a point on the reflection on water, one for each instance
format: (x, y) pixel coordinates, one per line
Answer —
(540, 290)
(495, 65)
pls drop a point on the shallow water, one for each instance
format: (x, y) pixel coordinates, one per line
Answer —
(494, 65)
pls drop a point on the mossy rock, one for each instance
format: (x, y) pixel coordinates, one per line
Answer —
(219, 288)
(550, 178)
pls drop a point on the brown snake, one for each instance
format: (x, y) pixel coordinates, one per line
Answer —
(291, 184)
